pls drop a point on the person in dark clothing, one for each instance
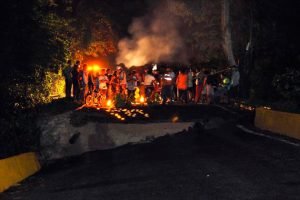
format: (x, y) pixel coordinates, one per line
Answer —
(108, 74)
(199, 80)
(75, 80)
(67, 72)
(210, 80)
(114, 82)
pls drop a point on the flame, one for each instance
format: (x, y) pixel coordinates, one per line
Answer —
(142, 99)
(109, 103)
(94, 68)
(175, 119)
(137, 93)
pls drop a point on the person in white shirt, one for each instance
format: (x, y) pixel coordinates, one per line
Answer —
(103, 80)
(122, 80)
(131, 84)
(148, 82)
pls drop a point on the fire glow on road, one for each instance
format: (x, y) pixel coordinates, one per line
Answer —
(125, 113)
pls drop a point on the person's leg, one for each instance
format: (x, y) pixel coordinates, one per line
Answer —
(163, 95)
(131, 94)
(179, 95)
(185, 96)
(200, 93)
(148, 91)
(74, 90)
(68, 89)
(81, 93)
(190, 94)
(125, 90)
(169, 93)
(182, 95)
(197, 94)
(210, 94)
(78, 92)
(193, 92)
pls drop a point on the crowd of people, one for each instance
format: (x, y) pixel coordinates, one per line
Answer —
(187, 85)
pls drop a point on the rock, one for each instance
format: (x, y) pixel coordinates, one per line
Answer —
(74, 138)
(213, 123)
(61, 138)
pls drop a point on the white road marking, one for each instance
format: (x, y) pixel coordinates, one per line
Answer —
(267, 136)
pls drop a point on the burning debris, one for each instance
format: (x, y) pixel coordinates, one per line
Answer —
(124, 113)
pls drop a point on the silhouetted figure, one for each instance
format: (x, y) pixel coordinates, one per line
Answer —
(75, 79)
(67, 72)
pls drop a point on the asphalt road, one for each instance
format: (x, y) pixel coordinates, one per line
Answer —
(223, 163)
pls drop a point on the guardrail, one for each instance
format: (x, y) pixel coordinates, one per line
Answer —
(17, 168)
(283, 123)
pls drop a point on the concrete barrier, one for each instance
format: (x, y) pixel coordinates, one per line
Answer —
(17, 168)
(278, 122)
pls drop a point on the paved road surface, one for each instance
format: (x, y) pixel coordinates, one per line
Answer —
(223, 163)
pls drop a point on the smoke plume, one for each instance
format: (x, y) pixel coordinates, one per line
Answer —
(154, 38)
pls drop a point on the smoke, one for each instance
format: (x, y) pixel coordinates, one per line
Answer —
(154, 38)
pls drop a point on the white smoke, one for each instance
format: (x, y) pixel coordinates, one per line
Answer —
(154, 38)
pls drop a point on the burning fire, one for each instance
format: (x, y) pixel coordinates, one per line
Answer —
(142, 99)
(123, 113)
(109, 103)
(94, 68)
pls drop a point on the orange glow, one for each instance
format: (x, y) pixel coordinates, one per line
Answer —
(94, 68)
(109, 103)
(175, 119)
(142, 99)
(90, 68)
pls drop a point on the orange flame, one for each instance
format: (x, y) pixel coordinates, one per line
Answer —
(142, 99)
(109, 103)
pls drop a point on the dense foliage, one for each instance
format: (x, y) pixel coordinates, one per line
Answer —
(40, 36)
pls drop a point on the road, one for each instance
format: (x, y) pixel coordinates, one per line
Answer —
(221, 163)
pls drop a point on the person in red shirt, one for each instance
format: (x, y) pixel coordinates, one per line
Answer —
(182, 85)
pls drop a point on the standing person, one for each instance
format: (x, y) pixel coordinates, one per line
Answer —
(167, 83)
(182, 85)
(67, 72)
(108, 74)
(131, 85)
(103, 80)
(95, 80)
(114, 82)
(84, 82)
(142, 86)
(209, 87)
(173, 90)
(90, 82)
(190, 85)
(234, 85)
(148, 82)
(138, 78)
(75, 80)
(224, 86)
(199, 80)
(122, 80)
